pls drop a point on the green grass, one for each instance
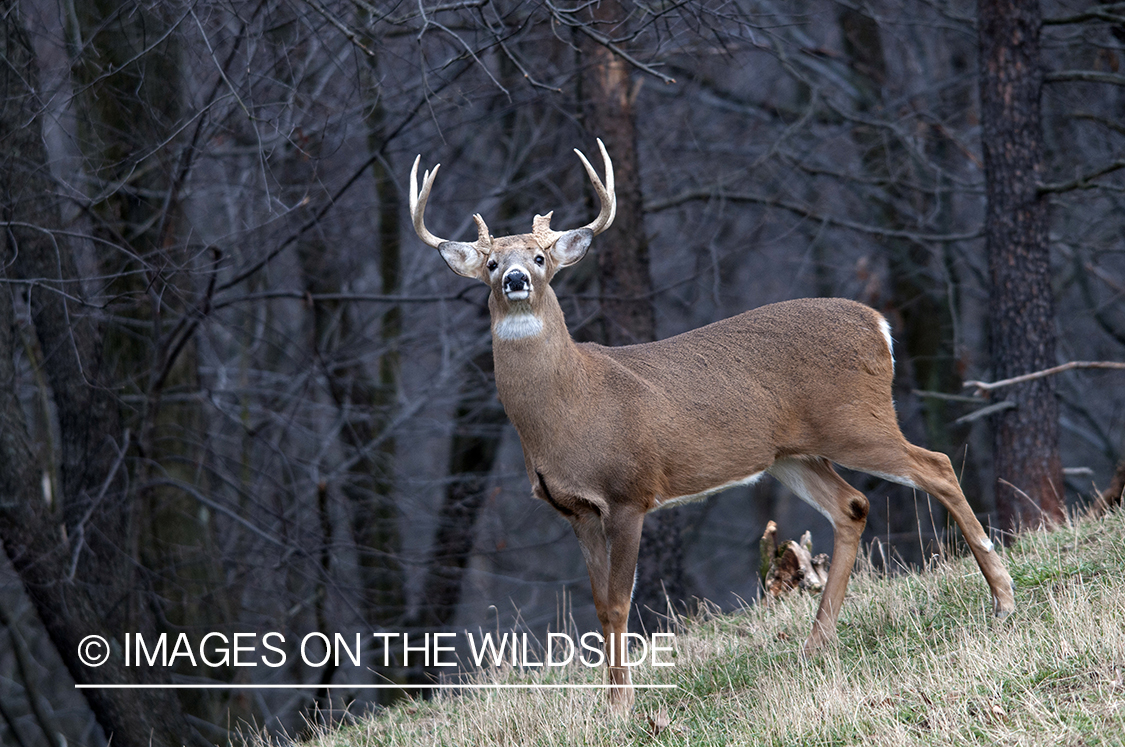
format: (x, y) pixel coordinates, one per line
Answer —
(919, 661)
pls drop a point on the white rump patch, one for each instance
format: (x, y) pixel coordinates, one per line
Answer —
(518, 326)
(885, 328)
(667, 502)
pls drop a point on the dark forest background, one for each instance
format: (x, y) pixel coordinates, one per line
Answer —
(237, 394)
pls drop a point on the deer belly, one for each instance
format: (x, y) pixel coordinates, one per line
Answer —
(662, 502)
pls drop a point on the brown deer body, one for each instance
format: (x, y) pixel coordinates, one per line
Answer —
(609, 434)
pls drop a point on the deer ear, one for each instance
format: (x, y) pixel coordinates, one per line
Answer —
(572, 246)
(464, 259)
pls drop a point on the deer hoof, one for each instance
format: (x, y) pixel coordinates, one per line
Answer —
(1003, 605)
(620, 701)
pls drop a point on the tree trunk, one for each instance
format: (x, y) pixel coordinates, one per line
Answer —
(71, 553)
(607, 96)
(1029, 486)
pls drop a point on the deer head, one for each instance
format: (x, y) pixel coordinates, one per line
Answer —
(518, 268)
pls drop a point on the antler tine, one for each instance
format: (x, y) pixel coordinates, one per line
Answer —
(418, 203)
(484, 239)
(605, 192)
(541, 230)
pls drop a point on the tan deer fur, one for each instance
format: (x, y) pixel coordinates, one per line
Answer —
(609, 434)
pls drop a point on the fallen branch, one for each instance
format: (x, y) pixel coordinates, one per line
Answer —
(984, 386)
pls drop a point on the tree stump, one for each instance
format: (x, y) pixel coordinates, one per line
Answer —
(1112, 496)
(790, 565)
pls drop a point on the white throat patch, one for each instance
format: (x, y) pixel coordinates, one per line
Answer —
(518, 326)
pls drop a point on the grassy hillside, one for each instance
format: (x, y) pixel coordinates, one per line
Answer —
(920, 661)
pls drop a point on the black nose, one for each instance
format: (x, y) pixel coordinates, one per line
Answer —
(515, 281)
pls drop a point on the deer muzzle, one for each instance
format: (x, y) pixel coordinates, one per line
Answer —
(517, 285)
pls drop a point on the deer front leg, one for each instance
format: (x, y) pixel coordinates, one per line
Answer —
(623, 538)
(609, 545)
(591, 538)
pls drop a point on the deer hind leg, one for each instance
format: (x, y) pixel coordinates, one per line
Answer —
(902, 462)
(814, 481)
(610, 546)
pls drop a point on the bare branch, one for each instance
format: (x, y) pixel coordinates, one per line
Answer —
(350, 35)
(1084, 76)
(1103, 121)
(983, 386)
(709, 194)
(1110, 13)
(608, 43)
(332, 297)
(1082, 182)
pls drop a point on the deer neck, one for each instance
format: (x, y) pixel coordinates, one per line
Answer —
(535, 358)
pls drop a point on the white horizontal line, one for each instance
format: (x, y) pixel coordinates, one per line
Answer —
(472, 686)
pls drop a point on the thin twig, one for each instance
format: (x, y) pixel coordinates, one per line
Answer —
(1024, 495)
(949, 397)
(79, 530)
(985, 412)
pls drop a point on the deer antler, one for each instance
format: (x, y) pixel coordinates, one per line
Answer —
(418, 208)
(541, 225)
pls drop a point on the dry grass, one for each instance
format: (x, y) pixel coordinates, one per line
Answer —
(920, 661)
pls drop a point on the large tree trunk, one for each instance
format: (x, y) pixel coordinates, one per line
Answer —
(1029, 486)
(72, 552)
(608, 92)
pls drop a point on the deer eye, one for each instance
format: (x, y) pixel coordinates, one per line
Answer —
(539, 260)
(492, 265)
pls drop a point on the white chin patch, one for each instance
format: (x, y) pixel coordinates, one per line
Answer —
(520, 295)
(518, 326)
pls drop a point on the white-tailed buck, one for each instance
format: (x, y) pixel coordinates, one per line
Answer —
(610, 434)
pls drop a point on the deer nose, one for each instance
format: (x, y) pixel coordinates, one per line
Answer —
(516, 283)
